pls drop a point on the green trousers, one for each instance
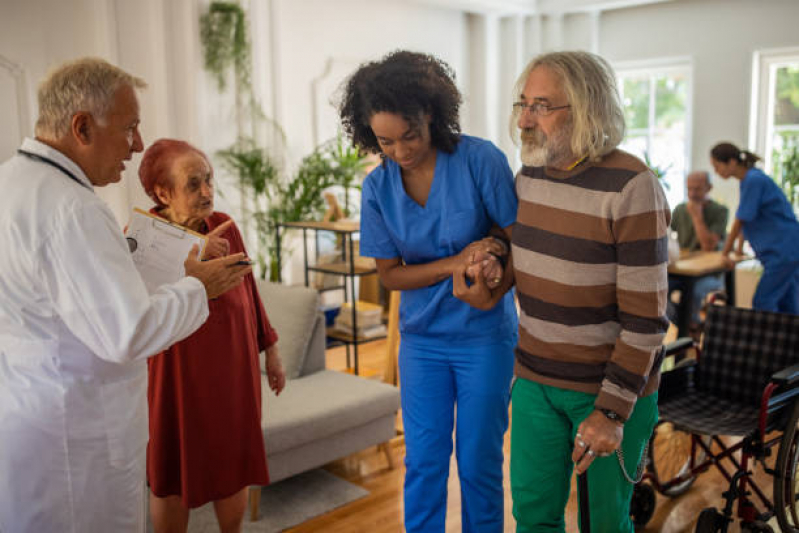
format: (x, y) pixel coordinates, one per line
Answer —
(543, 426)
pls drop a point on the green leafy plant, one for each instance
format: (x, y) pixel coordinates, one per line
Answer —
(276, 199)
(223, 34)
(268, 197)
(660, 172)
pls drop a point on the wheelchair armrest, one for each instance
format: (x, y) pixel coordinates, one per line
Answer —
(680, 345)
(786, 376)
(675, 382)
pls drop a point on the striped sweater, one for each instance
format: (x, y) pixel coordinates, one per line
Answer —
(590, 257)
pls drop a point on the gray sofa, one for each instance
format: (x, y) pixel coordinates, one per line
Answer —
(321, 415)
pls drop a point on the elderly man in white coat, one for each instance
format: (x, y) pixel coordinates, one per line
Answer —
(76, 322)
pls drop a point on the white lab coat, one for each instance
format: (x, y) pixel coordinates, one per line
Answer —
(76, 324)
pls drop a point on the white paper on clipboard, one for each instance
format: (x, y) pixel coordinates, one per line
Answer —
(159, 248)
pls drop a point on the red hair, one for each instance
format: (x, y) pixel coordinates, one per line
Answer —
(156, 165)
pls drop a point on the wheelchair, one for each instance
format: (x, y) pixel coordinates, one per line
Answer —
(743, 383)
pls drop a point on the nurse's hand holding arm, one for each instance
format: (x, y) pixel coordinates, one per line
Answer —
(397, 276)
(218, 275)
(479, 294)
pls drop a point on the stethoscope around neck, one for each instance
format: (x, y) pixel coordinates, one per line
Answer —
(58, 166)
(132, 244)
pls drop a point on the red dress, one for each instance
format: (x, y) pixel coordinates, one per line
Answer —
(204, 396)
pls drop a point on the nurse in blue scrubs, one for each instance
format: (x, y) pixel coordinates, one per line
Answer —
(769, 224)
(427, 210)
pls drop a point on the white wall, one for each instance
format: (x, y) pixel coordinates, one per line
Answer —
(146, 37)
(721, 37)
(324, 41)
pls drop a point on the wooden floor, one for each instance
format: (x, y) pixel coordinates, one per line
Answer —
(381, 510)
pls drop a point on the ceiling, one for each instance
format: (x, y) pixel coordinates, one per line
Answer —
(536, 7)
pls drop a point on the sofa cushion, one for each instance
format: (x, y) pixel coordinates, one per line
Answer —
(292, 311)
(320, 405)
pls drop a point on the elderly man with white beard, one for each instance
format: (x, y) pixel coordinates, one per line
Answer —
(589, 254)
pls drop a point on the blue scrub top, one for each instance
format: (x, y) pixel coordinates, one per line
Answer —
(472, 189)
(768, 220)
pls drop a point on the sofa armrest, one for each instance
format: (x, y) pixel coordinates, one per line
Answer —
(315, 356)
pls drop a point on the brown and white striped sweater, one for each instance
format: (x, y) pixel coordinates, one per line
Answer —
(590, 257)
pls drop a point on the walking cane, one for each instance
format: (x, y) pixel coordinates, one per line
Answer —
(585, 514)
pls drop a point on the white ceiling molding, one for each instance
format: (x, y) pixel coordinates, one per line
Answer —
(535, 7)
(587, 6)
(483, 7)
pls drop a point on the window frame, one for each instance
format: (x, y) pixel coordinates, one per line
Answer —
(652, 68)
(761, 111)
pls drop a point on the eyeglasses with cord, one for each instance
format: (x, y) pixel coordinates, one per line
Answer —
(537, 108)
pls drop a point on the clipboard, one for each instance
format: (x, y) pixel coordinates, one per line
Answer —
(159, 247)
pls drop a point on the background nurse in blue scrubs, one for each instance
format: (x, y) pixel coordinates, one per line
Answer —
(769, 224)
(427, 210)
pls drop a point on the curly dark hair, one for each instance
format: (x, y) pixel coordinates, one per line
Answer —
(408, 84)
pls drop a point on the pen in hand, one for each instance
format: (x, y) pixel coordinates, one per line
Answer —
(243, 262)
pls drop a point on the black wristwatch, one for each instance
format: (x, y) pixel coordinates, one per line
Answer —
(612, 415)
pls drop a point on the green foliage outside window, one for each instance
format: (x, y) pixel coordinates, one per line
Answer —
(786, 105)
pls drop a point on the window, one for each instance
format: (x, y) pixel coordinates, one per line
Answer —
(775, 106)
(657, 103)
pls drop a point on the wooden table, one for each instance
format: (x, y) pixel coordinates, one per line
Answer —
(695, 265)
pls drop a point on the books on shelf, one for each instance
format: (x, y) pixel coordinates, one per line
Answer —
(367, 314)
(364, 332)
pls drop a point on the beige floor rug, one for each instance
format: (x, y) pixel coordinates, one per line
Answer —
(287, 503)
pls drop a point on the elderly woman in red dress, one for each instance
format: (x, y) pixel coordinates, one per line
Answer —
(206, 443)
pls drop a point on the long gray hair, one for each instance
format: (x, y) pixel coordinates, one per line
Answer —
(590, 87)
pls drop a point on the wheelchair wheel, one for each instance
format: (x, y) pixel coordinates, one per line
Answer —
(757, 527)
(786, 480)
(710, 521)
(670, 456)
(642, 505)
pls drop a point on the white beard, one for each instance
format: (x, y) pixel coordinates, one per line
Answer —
(541, 150)
(533, 155)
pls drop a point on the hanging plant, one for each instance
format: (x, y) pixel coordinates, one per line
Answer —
(223, 35)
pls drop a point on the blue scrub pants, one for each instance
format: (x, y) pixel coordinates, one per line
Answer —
(435, 378)
(778, 289)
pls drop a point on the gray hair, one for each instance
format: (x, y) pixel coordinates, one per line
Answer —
(590, 87)
(88, 85)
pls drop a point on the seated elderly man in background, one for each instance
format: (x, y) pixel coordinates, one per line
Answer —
(701, 224)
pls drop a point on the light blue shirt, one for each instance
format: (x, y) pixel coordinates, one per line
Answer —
(768, 220)
(472, 189)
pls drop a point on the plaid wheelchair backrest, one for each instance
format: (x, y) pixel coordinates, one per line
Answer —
(742, 348)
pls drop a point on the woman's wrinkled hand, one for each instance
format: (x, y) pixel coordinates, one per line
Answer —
(488, 245)
(488, 266)
(478, 295)
(275, 374)
(216, 245)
